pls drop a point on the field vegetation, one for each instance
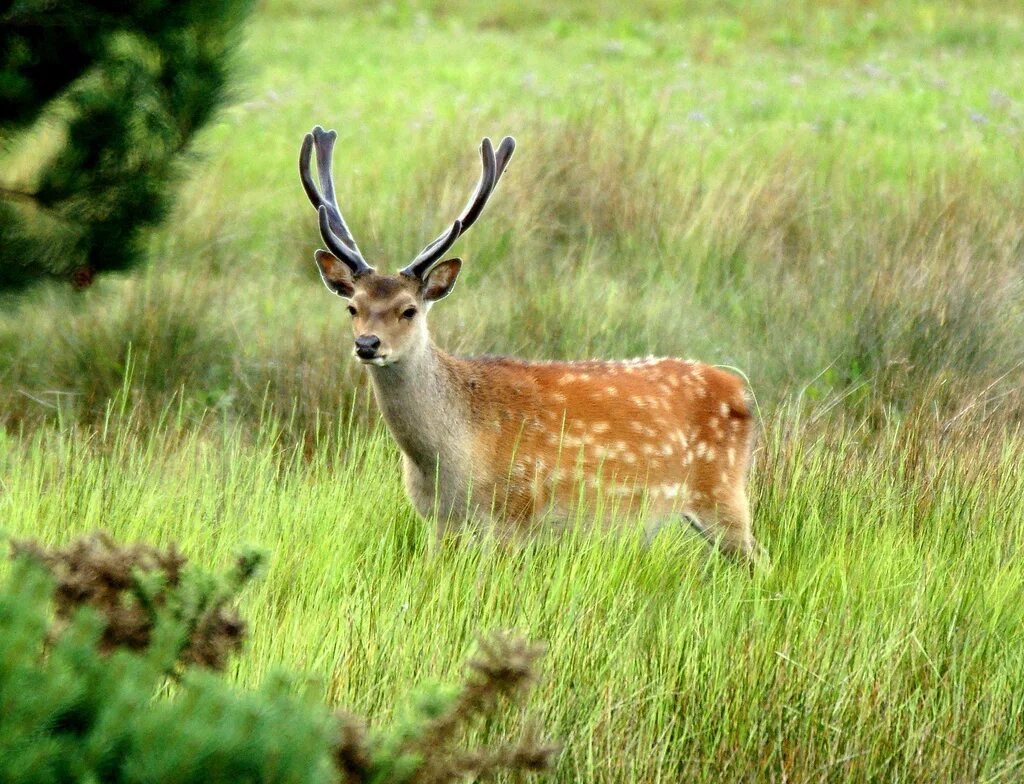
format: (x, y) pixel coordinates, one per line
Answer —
(830, 198)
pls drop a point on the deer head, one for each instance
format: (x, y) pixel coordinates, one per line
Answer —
(389, 311)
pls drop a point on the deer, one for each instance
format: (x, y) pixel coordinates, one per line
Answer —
(512, 446)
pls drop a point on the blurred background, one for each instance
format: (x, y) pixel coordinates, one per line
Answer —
(828, 196)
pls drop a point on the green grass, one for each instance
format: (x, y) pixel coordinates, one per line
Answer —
(829, 198)
(883, 645)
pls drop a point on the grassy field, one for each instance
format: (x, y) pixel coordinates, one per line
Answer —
(831, 199)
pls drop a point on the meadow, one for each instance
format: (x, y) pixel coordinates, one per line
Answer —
(830, 198)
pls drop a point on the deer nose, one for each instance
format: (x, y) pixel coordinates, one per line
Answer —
(367, 345)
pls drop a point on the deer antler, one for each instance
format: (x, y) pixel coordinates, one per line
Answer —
(332, 225)
(494, 163)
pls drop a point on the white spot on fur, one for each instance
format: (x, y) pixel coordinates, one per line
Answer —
(599, 427)
(724, 408)
(620, 489)
(671, 491)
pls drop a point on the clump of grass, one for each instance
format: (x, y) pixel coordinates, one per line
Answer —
(148, 338)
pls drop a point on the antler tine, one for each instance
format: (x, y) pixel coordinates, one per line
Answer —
(493, 165)
(502, 157)
(332, 225)
(324, 142)
(476, 203)
(305, 153)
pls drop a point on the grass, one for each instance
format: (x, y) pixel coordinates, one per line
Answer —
(884, 644)
(828, 198)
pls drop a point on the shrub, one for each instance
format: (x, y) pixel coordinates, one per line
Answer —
(119, 683)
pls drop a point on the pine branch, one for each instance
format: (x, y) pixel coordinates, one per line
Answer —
(13, 194)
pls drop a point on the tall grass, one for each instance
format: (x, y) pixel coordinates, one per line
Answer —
(883, 645)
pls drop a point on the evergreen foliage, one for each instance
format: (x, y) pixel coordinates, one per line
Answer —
(84, 686)
(104, 98)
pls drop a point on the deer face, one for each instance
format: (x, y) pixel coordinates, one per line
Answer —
(389, 312)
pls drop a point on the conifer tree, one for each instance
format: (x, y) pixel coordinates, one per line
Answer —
(99, 101)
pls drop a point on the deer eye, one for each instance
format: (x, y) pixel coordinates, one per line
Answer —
(351, 310)
(408, 313)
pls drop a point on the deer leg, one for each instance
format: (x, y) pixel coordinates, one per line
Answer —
(651, 528)
(727, 525)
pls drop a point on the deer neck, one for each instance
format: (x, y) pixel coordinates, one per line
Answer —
(420, 401)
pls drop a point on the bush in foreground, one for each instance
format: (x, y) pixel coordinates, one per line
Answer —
(91, 633)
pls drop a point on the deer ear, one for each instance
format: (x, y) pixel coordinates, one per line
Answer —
(441, 280)
(336, 274)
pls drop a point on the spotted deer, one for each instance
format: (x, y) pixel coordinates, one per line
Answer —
(515, 445)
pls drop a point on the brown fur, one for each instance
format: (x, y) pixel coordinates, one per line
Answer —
(664, 435)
